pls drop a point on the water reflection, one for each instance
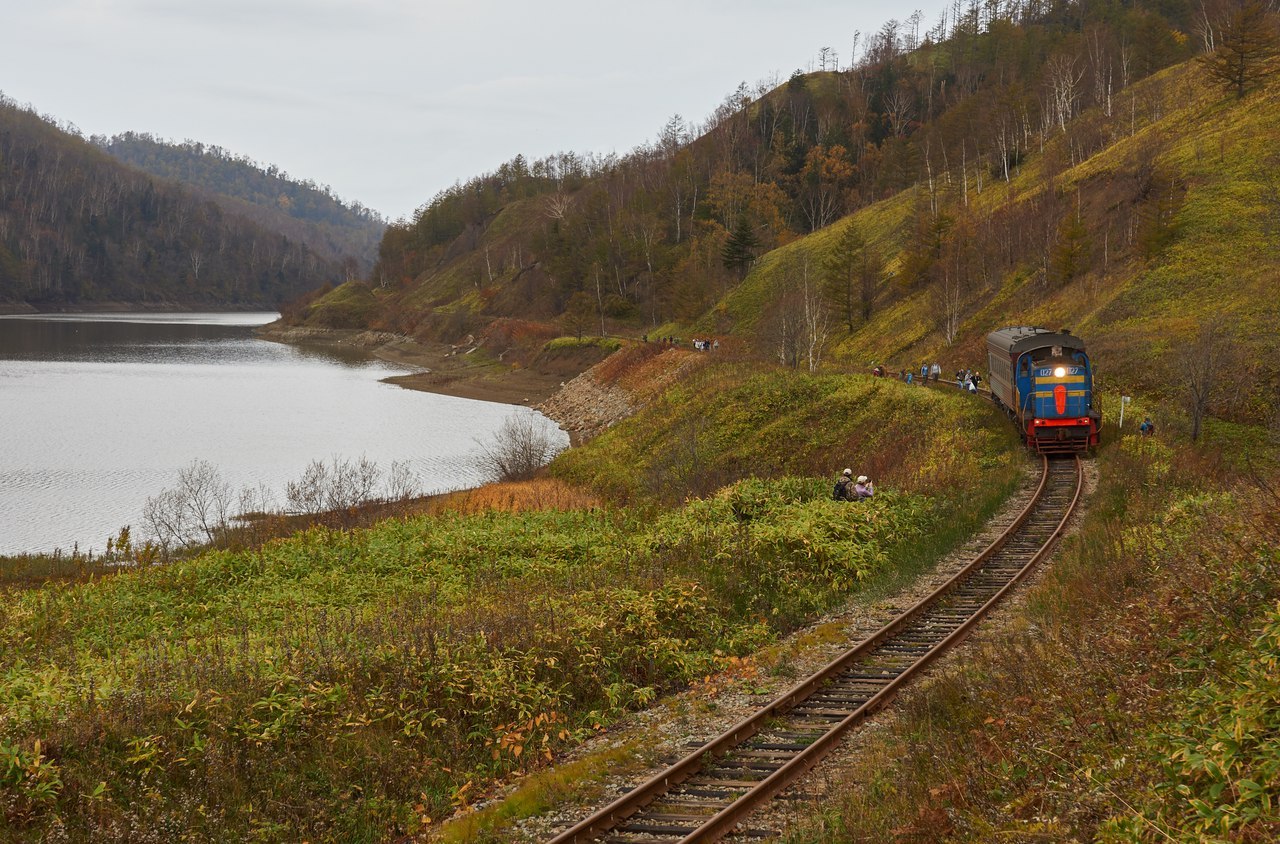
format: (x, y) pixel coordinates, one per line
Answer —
(97, 413)
(154, 337)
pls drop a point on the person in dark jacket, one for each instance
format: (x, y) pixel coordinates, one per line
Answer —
(844, 487)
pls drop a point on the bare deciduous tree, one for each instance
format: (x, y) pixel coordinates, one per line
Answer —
(256, 500)
(192, 512)
(198, 511)
(801, 322)
(401, 483)
(557, 205)
(521, 446)
(900, 108)
(339, 485)
(1202, 365)
(1063, 82)
(306, 495)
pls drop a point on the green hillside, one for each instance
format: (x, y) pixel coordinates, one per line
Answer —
(1173, 226)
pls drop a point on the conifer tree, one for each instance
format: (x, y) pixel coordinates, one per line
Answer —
(740, 249)
(850, 274)
(1248, 48)
(1070, 255)
(577, 314)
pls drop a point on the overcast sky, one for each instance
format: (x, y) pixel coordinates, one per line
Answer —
(389, 101)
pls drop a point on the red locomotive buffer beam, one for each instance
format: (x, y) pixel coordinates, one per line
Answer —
(1062, 436)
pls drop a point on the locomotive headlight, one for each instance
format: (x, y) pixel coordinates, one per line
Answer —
(1060, 372)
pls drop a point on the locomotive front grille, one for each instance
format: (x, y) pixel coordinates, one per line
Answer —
(1060, 439)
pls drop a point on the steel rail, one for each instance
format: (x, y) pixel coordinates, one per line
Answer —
(722, 822)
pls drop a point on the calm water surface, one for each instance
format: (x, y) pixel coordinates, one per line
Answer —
(99, 412)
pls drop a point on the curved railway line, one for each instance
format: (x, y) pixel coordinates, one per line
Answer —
(710, 792)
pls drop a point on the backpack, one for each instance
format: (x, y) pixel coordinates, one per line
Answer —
(841, 491)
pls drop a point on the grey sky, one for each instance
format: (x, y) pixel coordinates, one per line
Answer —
(389, 101)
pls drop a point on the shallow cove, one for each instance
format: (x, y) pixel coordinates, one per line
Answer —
(100, 411)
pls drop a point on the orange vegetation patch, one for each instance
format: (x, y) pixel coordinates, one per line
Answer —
(519, 496)
(646, 368)
(518, 332)
(625, 359)
(654, 374)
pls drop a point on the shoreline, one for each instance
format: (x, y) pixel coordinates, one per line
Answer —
(446, 370)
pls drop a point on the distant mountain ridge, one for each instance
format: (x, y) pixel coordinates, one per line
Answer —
(79, 228)
(303, 210)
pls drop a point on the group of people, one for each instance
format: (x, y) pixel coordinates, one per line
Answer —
(700, 345)
(850, 489)
(966, 379)
(925, 374)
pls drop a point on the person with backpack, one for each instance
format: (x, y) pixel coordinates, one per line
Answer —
(1147, 428)
(844, 487)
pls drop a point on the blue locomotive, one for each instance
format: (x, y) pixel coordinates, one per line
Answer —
(1044, 380)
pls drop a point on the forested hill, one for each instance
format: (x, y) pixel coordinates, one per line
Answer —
(643, 238)
(78, 228)
(1106, 166)
(302, 210)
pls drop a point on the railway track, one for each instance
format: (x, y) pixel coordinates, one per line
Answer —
(708, 793)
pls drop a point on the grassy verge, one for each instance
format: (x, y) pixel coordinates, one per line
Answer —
(727, 422)
(582, 781)
(356, 684)
(611, 344)
(1133, 698)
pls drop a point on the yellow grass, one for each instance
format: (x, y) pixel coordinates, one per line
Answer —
(519, 496)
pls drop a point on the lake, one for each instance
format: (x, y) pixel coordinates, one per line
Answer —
(99, 412)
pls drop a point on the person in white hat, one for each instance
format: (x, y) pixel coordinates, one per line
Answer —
(863, 488)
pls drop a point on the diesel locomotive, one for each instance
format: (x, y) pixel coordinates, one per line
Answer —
(1044, 380)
